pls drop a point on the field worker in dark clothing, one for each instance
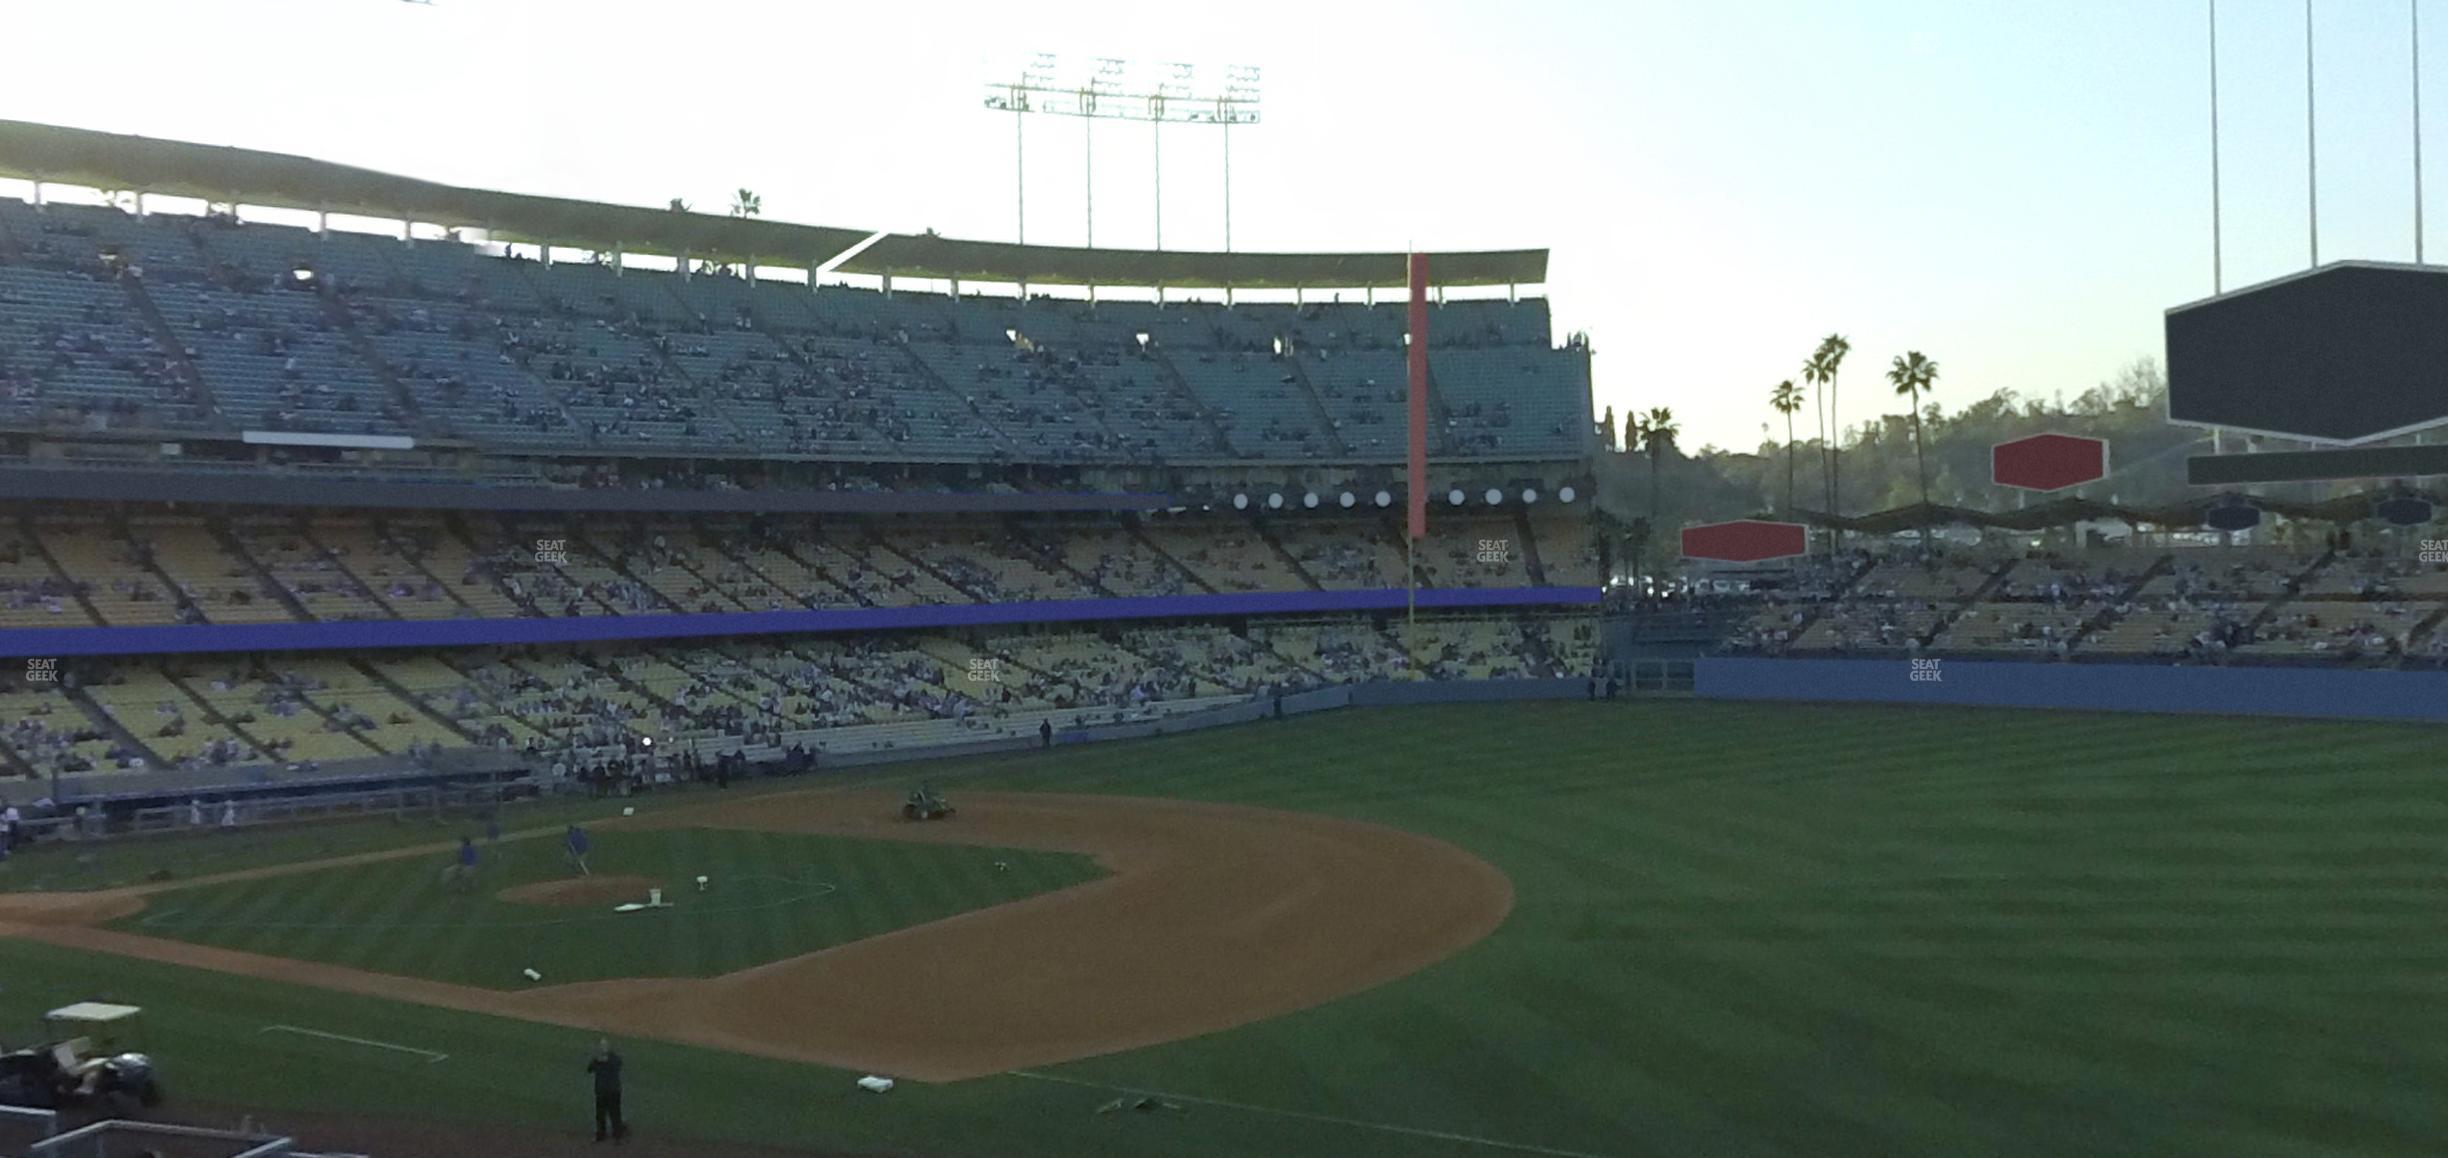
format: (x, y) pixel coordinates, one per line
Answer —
(574, 843)
(1045, 733)
(462, 871)
(606, 1066)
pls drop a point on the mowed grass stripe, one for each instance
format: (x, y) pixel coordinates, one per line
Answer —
(1799, 930)
(771, 900)
(2003, 817)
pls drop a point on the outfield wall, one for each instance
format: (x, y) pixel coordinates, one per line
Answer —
(2313, 693)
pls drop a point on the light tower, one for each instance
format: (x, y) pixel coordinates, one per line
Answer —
(1105, 88)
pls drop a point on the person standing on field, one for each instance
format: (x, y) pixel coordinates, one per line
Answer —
(606, 1066)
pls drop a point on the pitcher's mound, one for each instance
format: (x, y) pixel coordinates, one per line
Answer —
(586, 892)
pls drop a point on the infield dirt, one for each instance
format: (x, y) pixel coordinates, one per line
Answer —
(1213, 916)
(581, 892)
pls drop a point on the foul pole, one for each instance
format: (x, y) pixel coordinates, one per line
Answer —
(1418, 366)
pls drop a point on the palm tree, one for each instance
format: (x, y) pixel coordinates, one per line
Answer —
(1657, 433)
(1911, 374)
(1786, 399)
(1830, 357)
(679, 206)
(746, 203)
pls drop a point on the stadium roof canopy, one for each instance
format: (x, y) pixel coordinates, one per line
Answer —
(119, 161)
(2067, 511)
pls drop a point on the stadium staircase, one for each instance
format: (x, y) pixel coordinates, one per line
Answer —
(1399, 535)
(1317, 404)
(25, 533)
(455, 527)
(2108, 615)
(1836, 597)
(606, 668)
(211, 716)
(748, 563)
(174, 350)
(347, 573)
(1050, 558)
(383, 679)
(820, 571)
(1172, 375)
(111, 726)
(689, 564)
(658, 340)
(410, 556)
(2429, 624)
(117, 526)
(15, 765)
(1004, 442)
(1266, 535)
(2293, 590)
(264, 579)
(1946, 619)
(344, 323)
(1139, 535)
(1530, 552)
(339, 727)
(919, 562)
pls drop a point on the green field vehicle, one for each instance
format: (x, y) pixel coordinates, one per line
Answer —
(924, 804)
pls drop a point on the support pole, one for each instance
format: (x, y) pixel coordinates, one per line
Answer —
(1416, 362)
(1228, 186)
(2311, 137)
(2414, 17)
(2218, 269)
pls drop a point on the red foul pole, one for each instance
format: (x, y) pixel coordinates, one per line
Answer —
(1419, 396)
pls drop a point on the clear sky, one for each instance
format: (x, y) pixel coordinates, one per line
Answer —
(2017, 188)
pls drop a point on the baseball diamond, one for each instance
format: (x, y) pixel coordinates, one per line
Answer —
(1910, 943)
(574, 579)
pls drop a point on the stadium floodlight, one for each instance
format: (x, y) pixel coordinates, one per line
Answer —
(1107, 88)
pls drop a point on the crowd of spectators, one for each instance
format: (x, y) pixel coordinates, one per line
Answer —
(616, 707)
(442, 338)
(2198, 606)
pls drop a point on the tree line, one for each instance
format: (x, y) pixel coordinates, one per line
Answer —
(1918, 452)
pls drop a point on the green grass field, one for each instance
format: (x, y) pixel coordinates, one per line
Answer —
(1740, 929)
(770, 896)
